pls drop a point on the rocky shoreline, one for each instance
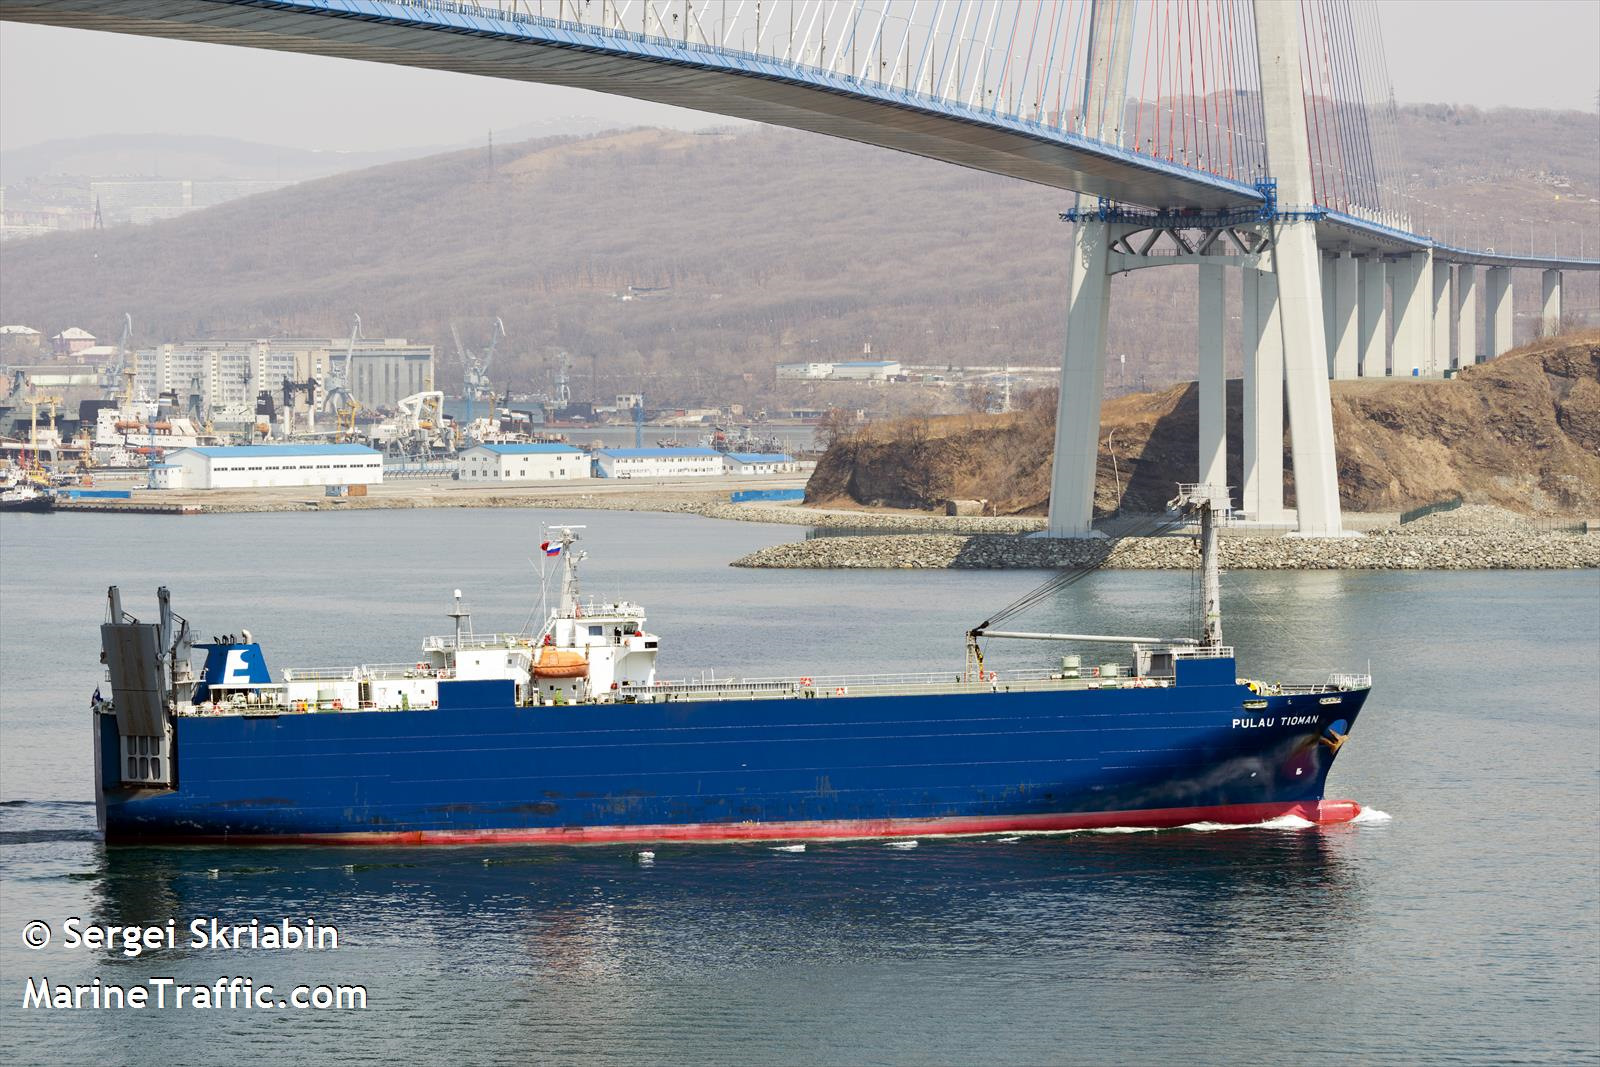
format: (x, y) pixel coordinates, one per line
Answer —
(1470, 538)
(1373, 552)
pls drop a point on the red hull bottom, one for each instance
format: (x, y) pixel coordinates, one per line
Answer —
(1321, 812)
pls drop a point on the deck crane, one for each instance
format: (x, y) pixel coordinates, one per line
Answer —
(338, 397)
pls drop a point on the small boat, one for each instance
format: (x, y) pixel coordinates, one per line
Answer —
(25, 496)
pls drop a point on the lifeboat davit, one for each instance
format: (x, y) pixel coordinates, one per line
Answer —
(560, 663)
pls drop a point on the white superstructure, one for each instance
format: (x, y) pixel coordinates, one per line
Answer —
(586, 651)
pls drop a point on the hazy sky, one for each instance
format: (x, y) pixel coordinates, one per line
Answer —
(70, 83)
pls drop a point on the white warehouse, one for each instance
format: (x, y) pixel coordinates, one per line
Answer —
(865, 370)
(251, 466)
(760, 463)
(517, 462)
(658, 463)
(804, 371)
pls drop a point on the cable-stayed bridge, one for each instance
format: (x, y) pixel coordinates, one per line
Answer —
(1257, 134)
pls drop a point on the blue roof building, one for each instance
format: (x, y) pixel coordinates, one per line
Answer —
(267, 466)
(279, 451)
(659, 463)
(655, 453)
(534, 448)
(523, 461)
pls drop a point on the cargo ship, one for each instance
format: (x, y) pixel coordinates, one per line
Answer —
(566, 734)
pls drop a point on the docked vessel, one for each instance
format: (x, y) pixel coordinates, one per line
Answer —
(25, 494)
(567, 734)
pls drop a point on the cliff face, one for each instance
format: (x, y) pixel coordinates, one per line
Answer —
(1521, 432)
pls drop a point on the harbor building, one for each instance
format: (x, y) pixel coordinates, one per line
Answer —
(855, 370)
(71, 341)
(518, 462)
(799, 372)
(257, 466)
(759, 463)
(21, 339)
(386, 370)
(865, 370)
(221, 377)
(658, 463)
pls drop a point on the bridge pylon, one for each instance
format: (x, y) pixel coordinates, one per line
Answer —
(1286, 330)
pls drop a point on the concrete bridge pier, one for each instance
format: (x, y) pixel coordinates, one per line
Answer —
(1466, 315)
(1374, 316)
(1213, 466)
(1083, 379)
(1497, 325)
(1325, 271)
(1346, 319)
(1261, 328)
(1410, 276)
(1439, 359)
(1550, 305)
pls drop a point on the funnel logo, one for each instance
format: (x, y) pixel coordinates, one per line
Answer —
(232, 666)
(236, 671)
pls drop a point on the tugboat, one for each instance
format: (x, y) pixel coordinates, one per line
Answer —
(22, 494)
(567, 734)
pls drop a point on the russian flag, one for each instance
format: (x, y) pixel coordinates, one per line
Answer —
(550, 549)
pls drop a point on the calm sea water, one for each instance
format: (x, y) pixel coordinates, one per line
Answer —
(1464, 930)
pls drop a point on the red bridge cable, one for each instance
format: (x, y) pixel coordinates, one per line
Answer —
(1233, 86)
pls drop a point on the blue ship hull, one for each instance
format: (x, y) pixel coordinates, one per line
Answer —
(479, 768)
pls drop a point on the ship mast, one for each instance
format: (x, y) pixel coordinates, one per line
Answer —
(569, 572)
(459, 613)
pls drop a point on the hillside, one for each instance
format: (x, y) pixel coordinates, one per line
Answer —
(144, 155)
(775, 245)
(1521, 432)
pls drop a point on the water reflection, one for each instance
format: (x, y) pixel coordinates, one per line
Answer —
(1202, 901)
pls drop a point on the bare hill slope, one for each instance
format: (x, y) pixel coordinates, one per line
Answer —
(1521, 432)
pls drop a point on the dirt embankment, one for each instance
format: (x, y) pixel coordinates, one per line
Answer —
(1521, 432)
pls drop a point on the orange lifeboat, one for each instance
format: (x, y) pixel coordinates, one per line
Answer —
(560, 663)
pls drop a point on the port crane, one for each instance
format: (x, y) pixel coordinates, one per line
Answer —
(475, 383)
(307, 389)
(36, 402)
(338, 397)
(111, 375)
(563, 396)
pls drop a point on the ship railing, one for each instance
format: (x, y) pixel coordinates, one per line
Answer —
(1198, 652)
(1349, 681)
(367, 672)
(1336, 683)
(320, 674)
(476, 641)
(882, 684)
